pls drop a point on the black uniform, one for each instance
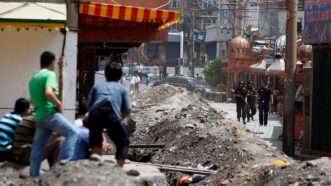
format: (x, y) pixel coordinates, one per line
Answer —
(264, 100)
(251, 101)
(240, 94)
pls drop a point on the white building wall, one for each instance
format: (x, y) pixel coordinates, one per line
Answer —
(19, 60)
(70, 77)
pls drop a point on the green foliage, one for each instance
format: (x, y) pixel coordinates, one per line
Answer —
(213, 72)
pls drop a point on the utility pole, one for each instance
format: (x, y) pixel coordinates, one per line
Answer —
(219, 23)
(234, 28)
(241, 18)
(291, 58)
(193, 44)
(238, 18)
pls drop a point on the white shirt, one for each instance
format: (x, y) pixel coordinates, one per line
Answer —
(135, 80)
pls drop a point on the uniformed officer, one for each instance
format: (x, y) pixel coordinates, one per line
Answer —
(240, 96)
(251, 101)
(264, 94)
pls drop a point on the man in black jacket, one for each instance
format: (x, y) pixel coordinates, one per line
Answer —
(240, 97)
(264, 94)
(251, 101)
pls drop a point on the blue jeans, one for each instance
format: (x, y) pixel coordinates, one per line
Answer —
(44, 129)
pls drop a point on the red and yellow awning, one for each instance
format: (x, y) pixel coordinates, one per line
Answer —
(163, 18)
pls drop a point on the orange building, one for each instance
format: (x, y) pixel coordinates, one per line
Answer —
(240, 60)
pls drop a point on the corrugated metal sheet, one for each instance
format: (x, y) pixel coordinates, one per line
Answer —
(321, 117)
(317, 28)
(211, 50)
(33, 11)
(173, 53)
(217, 33)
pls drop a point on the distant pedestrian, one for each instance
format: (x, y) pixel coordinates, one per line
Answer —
(135, 81)
(43, 89)
(108, 105)
(146, 79)
(240, 94)
(264, 95)
(299, 97)
(8, 124)
(251, 101)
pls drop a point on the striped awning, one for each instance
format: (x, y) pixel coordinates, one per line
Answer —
(163, 18)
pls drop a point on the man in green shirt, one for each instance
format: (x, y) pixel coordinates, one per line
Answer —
(43, 91)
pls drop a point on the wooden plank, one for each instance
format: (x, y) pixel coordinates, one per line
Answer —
(147, 146)
(180, 169)
(169, 168)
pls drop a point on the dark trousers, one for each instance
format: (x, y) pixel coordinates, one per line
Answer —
(251, 110)
(100, 120)
(5, 156)
(263, 114)
(241, 111)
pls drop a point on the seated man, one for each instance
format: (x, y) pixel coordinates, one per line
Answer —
(83, 147)
(8, 125)
(23, 142)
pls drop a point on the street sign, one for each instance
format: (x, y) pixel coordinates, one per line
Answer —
(317, 29)
(199, 37)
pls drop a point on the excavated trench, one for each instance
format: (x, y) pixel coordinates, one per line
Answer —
(191, 137)
(197, 136)
(194, 136)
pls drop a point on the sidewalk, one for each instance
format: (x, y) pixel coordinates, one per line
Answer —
(269, 133)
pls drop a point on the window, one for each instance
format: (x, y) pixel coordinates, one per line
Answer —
(209, 3)
(175, 4)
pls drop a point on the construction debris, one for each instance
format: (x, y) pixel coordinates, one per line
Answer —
(197, 136)
(85, 172)
(179, 133)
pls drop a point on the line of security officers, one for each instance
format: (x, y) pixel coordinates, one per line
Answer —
(246, 97)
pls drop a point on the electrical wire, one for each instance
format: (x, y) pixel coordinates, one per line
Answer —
(161, 6)
(262, 5)
(166, 4)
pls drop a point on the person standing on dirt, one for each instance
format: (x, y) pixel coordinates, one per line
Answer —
(108, 105)
(135, 81)
(251, 101)
(43, 90)
(264, 95)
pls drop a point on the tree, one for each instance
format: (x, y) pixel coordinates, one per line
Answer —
(213, 72)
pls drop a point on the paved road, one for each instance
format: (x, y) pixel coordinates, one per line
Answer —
(269, 133)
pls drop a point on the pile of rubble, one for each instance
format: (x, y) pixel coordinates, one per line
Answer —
(197, 136)
(191, 134)
(84, 172)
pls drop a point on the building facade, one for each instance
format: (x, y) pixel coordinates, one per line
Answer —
(27, 29)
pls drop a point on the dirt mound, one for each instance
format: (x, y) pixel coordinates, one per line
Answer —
(195, 135)
(158, 94)
(72, 174)
(316, 172)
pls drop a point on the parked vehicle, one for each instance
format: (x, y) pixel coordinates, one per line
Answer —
(189, 83)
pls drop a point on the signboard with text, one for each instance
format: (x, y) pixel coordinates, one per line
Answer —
(317, 29)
